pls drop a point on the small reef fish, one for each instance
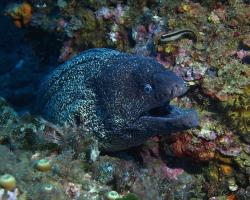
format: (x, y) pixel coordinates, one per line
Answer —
(121, 99)
(186, 33)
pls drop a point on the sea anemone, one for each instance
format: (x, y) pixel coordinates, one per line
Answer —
(7, 182)
(112, 195)
(43, 165)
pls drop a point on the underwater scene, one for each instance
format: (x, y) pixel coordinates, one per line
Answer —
(125, 100)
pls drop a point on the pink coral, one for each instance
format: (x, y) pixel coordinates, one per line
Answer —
(66, 51)
(241, 54)
(73, 190)
(150, 155)
(227, 146)
(171, 173)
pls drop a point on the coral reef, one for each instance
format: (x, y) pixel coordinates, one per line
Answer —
(49, 162)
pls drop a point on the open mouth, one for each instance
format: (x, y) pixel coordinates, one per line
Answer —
(170, 117)
(166, 111)
(160, 111)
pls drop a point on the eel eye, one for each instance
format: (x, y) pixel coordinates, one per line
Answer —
(148, 88)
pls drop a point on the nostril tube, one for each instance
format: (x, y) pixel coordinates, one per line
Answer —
(186, 84)
(178, 89)
(182, 88)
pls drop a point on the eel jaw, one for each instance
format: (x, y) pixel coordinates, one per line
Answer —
(167, 119)
(178, 117)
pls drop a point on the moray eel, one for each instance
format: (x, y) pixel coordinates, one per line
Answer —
(121, 99)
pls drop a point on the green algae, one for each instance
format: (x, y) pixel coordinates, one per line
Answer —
(8, 120)
(129, 196)
(237, 111)
(243, 161)
(231, 78)
(48, 191)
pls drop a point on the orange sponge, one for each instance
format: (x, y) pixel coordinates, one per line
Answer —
(20, 13)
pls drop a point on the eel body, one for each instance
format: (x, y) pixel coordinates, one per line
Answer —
(121, 99)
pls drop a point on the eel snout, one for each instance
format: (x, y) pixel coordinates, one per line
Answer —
(168, 86)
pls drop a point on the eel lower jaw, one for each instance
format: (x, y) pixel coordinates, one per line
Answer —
(171, 118)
